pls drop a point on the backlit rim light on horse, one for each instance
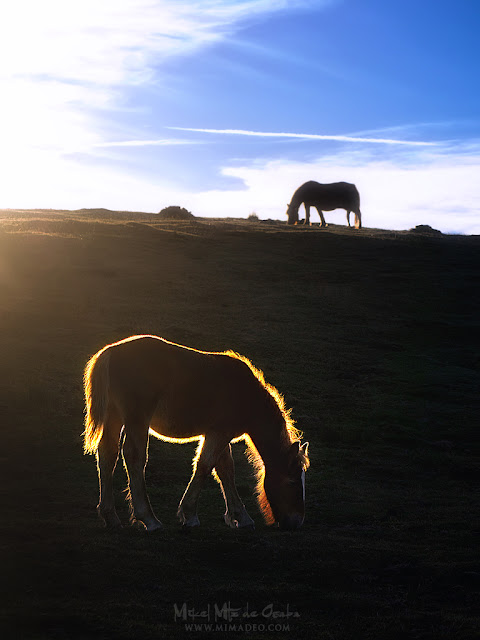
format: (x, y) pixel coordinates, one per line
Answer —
(145, 384)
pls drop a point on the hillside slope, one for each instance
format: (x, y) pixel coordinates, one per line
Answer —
(372, 337)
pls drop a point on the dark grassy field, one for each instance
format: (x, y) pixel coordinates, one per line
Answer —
(372, 336)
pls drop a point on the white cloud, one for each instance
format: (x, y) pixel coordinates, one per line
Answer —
(162, 142)
(64, 65)
(436, 188)
(60, 61)
(113, 42)
(440, 189)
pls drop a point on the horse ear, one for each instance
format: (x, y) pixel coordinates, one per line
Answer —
(304, 448)
(295, 448)
(293, 452)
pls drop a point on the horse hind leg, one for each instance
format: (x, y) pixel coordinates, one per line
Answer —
(322, 217)
(135, 449)
(208, 452)
(348, 217)
(236, 515)
(107, 456)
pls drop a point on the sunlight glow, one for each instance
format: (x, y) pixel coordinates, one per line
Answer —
(65, 67)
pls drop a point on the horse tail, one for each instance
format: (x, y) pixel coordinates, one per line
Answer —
(96, 383)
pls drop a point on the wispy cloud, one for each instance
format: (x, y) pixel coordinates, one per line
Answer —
(63, 63)
(306, 136)
(66, 68)
(164, 142)
(111, 42)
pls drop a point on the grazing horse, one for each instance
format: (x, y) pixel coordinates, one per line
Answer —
(145, 384)
(325, 197)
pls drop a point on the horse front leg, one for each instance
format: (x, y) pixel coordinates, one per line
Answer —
(208, 452)
(236, 515)
(348, 218)
(135, 448)
(307, 214)
(107, 456)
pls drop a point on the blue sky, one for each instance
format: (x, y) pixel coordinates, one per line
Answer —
(226, 107)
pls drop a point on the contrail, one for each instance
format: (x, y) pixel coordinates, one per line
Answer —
(305, 136)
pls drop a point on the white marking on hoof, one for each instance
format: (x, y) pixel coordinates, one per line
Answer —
(154, 525)
(192, 521)
(244, 522)
(231, 522)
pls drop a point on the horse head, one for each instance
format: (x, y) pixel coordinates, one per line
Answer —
(292, 213)
(285, 487)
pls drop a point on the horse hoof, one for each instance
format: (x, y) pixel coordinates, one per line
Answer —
(191, 523)
(187, 521)
(110, 519)
(150, 528)
(238, 526)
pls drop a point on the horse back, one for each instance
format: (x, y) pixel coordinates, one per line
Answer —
(336, 195)
(183, 391)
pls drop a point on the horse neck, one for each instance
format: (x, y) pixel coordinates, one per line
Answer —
(272, 440)
(296, 201)
(298, 198)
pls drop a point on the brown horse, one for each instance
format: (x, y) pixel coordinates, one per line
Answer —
(325, 197)
(146, 384)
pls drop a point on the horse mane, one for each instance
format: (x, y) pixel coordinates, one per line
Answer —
(291, 434)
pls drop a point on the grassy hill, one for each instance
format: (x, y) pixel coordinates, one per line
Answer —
(373, 338)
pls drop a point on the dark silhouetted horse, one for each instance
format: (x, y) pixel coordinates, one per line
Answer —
(145, 384)
(325, 197)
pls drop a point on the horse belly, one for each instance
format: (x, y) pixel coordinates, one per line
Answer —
(184, 393)
(189, 412)
(330, 204)
(335, 196)
(171, 426)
